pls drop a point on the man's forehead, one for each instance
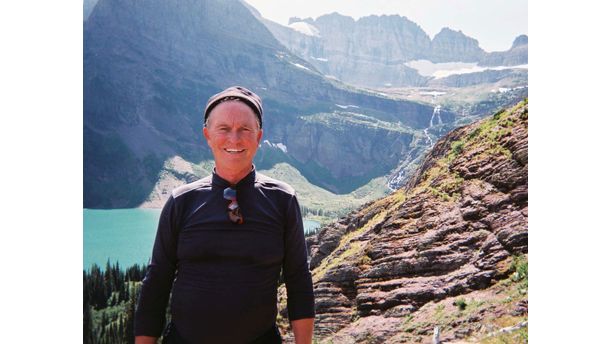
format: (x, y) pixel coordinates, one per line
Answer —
(236, 92)
(233, 110)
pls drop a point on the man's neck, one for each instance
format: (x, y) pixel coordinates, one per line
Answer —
(232, 177)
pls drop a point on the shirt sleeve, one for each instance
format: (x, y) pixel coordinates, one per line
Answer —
(150, 312)
(296, 273)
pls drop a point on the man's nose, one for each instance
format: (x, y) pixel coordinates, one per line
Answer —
(234, 135)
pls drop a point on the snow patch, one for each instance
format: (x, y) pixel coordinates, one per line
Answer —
(305, 28)
(506, 89)
(432, 93)
(319, 59)
(281, 147)
(442, 70)
(276, 145)
(346, 106)
(299, 66)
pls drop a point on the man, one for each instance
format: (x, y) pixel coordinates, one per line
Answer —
(225, 239)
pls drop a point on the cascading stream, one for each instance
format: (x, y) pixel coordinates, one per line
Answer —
(436, 113)
(435, 119)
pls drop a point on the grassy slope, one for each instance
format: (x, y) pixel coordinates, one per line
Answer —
(314, 197)
(477, 314)
(318, 204)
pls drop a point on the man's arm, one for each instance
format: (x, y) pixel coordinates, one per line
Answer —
(145, 340)
(302, 330)
(150, 313)
(298, 280)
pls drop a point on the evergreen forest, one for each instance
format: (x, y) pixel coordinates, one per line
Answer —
(109, 302)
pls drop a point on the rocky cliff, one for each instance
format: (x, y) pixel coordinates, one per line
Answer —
(88, 6)
(451, 45)
(516, 55)
(374, 51)
(479, 78)
(449, 250)
(150, 66)
(369, 51)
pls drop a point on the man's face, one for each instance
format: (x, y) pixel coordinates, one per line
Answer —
(233, 135)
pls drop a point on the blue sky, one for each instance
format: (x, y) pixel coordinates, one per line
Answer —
(494, 23)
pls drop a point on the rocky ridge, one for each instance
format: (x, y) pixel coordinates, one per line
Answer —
(448, 44)
(373, 51)
(449, 250)
(150, 66)
(517, 55)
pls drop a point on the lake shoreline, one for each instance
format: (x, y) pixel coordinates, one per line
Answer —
(126, 235)
(320, 219)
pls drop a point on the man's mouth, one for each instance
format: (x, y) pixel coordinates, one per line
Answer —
(234, 151)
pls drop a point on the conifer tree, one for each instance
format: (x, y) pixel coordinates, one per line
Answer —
(129, 313)
(87, 326)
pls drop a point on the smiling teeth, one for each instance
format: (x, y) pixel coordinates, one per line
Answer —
(234, 150)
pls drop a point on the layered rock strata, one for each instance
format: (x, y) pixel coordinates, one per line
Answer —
(454, 230)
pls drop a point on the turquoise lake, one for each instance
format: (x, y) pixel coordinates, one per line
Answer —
(125, 235)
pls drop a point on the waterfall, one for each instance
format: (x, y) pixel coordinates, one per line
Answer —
(393, 182)
(434, 115)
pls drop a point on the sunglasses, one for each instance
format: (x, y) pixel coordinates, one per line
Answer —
(233, 209)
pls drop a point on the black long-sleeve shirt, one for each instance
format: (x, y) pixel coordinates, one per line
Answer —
(226, 274)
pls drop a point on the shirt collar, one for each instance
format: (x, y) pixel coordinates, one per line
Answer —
(249, 179)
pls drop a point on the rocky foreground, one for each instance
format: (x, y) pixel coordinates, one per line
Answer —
(448, 252)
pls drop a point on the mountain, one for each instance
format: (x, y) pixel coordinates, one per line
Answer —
(448, 250)
(454, 46)
(316, 203)
(88, 6)
(516, 55)
(478, 78)
(353, 51)
(377, 51)
(149, 67)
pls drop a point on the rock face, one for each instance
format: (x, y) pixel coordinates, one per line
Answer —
(373, 51)
(323, 139)
(517, 55)
(451, 45)
(88, 6)
(369, 51)
(488, 76)
(150, 66)
(392, 270)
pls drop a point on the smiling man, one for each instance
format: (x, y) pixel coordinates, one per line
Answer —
(222, 241)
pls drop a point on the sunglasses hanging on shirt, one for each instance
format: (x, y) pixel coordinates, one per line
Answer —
(233, 209)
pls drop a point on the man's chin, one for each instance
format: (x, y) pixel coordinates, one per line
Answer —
(235, 158)
(237, 164)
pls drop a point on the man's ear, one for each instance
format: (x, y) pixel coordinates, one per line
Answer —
(259, 135)
(206, 134)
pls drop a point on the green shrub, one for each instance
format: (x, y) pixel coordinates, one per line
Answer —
(460, 303)
(474, 133)
(498, 114)
(457, 146)
(520, 268)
